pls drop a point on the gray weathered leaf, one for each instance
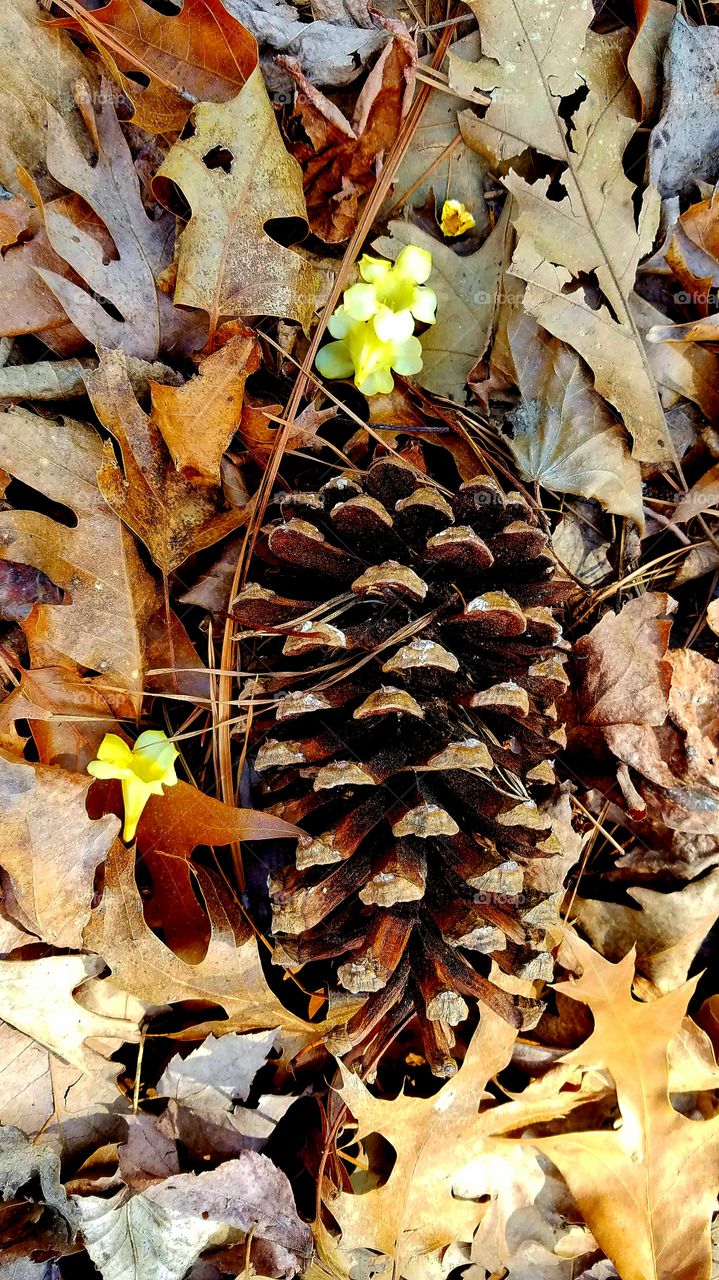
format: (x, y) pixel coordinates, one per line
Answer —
(684, 145)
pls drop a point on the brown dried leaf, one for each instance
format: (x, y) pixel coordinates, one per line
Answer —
(68, 715)
(109, 594)
(173, 516)
(624, 675)
(236, 176)
(50, 849)
(341, 159)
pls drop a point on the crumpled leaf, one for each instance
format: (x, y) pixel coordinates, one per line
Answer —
(592, 229)
(109, 595)
(629, 1180)
(230, 973)
(173, 516)
(198, 420)
(143, 247)
(38, 999)
(625, 677)
(236, 176)
(666, 928)
(21, 1162)
(68, 715)
(39, 66)
(50, 849)
(684, 145)
(654, 24)
(563, 434)
(332, 50)
(163, 1230)
(200, 53)
(342, 159)
(467, 290)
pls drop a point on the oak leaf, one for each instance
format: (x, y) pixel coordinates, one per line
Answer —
(236, 176)
(591, 231)
(50, 848)
(109, 595)
(628, 1181)
(563, 435)
(173, 516)
(341, 159)
(68, 715)
(199, 53)
(142, 246)
(230, 973)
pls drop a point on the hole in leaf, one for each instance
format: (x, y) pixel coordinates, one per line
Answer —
(219, 158)
(23, 498)
(138, 77)
(286, 231)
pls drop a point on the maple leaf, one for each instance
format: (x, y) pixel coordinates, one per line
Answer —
(50, 848)
(109, 595)
(592, 229)
(142, 246)
(173, 516)
(198, 53)
(628, 1181)
(236, 176)
(341, 159)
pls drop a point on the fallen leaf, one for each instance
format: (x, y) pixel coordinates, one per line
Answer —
(684, 145)
(198, 420)
(625, 676)
(236, 176)
(563, 435)
(654, 24)
(39, 67)
(38, 999)
(50, 849)
(332, 50)
(148, 1155)
(230, 973)
(582, 549)
(681, 367)
(467, 289)
(109, 595)
(198, 53)
(163, 1230)
(68, 715)
(148, 323)
(341, 159)
(21, 587)
(627, 1181)
(21, 1162)
(591, 230)
(666, 928)
(218, 1073)
(701, 497)
(171, 514)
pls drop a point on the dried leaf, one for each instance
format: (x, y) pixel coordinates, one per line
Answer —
(50, 848)
(230, 973)
(236, 176)
(21, 1162)
(109, 594)
(341, 159)
(628, 1181)
(142, 247)
(684, 145)
(625, 677)
(217, 1074)
(701, 497)
(654, 24)
(39, 66)
(467, 289)
(38, 999)
(198, 420)
(564, 436)
(331, 51)
(163, 1230)
(173, 516)
(68, 715)
(200, 53)
(591, 231)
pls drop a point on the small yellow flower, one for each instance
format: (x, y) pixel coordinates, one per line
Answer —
(363, 352)
(394, 292)
(143, 770)
(456, 218)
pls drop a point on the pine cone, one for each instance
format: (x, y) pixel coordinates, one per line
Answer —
(408, 655)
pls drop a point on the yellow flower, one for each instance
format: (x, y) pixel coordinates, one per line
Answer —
(363, 352)
(456, 218)
(395, 293)
(143, 771)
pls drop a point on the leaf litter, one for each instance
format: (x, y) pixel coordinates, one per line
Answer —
(221, 1040)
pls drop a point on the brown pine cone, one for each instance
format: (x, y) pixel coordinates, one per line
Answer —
(408, 663)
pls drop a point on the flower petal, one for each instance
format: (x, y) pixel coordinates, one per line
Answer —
(378, 382)
(415, 263)
(135, 795)
(105, 769)
(408, 357)
(360, 302)
(335, 361)
(425, 305)
(393, 326)
(340, 323)
(372, 269)
(115, 750)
